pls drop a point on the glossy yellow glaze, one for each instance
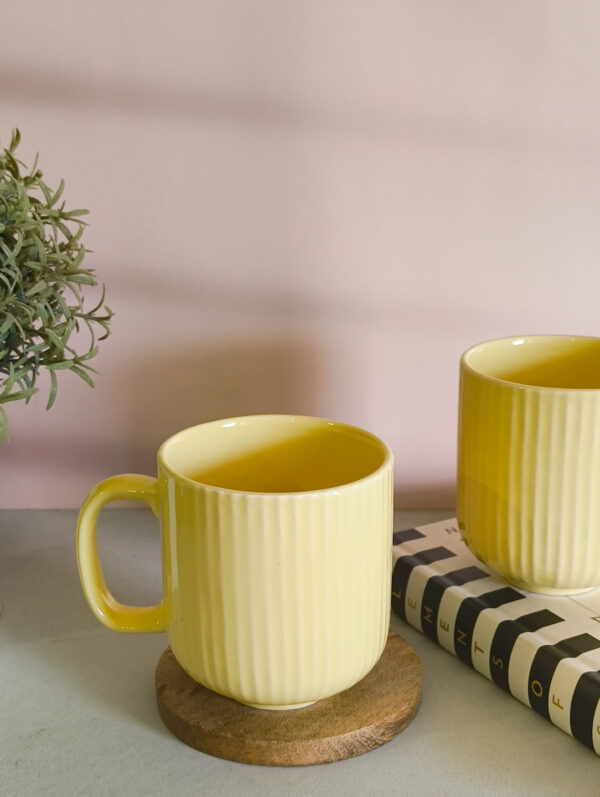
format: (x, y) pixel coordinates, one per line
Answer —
(108, 610)
(276, 541)
(528, 493)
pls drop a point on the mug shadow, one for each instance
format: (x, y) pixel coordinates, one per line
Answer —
(233, 377)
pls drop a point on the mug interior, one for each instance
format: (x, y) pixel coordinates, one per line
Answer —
(274, 454)
(539, 361)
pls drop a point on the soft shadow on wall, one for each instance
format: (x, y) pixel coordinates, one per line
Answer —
(168, 390)
(235, 377)
(229, 378)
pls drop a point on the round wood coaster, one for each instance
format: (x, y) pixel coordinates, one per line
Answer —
(353, 722)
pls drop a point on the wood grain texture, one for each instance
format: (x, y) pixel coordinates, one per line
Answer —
(353, 722)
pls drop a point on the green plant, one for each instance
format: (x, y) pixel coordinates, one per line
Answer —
(41, 279)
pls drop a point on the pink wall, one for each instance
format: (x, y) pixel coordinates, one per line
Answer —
(304, 207)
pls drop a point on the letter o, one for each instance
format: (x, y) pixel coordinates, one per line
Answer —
(537, 688)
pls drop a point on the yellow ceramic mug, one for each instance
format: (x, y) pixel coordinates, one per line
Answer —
(276, 547)
(528, 499)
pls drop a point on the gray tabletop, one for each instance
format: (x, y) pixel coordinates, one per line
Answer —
(78, 713)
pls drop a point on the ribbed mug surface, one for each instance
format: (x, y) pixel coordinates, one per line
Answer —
(277, 599)
(528, 497)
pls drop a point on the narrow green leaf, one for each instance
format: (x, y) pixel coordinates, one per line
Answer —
(3, 425)
(58, 193)
(53, 389)
(89, 355)
(22, 394)
(15, 140)
(72, 214)
(41, 249)
(47, 194)
(83, 375)
(36, 288)
(62, 365)
(53, 337)
(82, 279)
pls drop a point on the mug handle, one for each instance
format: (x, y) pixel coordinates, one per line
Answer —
(114, 615)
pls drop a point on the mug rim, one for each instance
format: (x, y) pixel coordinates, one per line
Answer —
(388, 458)
(523, 385)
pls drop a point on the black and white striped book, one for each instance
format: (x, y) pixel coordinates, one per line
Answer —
(542, 649)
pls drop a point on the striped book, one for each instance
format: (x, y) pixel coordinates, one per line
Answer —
(544, 650)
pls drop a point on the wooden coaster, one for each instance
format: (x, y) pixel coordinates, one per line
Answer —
(353, 722)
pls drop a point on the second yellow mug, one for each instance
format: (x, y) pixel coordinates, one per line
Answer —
(276, 548)
(528, 498)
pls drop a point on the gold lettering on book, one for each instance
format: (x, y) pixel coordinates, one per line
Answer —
(397, 595)
(412, 603)
(478, 649)
(497, 662)
(461, 637)
(427, 614)
(556, 702)
(444, 626)
(537, 688)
